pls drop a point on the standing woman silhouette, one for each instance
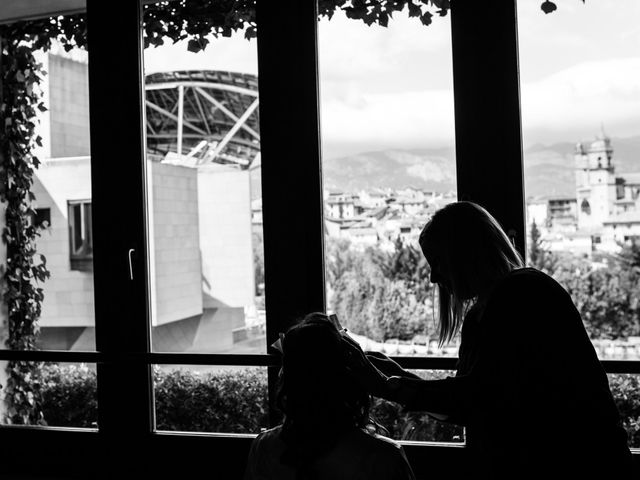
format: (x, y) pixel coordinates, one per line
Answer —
(529, 387)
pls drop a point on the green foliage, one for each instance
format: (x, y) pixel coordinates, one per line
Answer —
(538, 256)
(606, 293)
(69, 396)
(235, 401)
(630, 255)
(225, 401)
(258, 263)
(626, 392)
(378, 294)
(415, 426)
(608, 298)
(407, 264)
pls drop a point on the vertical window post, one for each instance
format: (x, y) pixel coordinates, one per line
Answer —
(119, 221)
(291, 168)
(487, 111)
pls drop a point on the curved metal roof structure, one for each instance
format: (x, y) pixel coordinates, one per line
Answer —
(207, 116)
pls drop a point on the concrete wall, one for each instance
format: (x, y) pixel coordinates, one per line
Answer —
(225, 236)
(69, 106)
(175, 258)
(68, 293)
(176, 281)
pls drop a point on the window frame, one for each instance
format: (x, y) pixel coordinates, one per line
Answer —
(80, 261)
(485, 69)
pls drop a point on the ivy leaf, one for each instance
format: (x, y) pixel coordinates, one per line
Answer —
(548, 7)
(425, 18)
(383, 19)
(414, 10)
(194, 46)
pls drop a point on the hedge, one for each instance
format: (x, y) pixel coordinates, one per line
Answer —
(235, 401)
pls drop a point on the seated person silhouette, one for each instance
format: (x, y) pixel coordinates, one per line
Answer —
(327, 432)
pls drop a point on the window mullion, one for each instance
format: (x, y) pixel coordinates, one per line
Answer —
(487, 111)
(291, 168)
(119, 217)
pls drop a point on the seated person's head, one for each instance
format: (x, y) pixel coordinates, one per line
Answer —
(316, 390)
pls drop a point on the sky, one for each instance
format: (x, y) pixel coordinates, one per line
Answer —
(392, 88)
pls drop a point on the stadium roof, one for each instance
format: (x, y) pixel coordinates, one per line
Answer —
(208, 116)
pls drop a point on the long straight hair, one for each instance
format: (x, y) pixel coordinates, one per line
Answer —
(475, 252)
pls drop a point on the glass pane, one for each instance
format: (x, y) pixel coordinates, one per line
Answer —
(389, 164)
(205, 222)
(415, 426)
(626, 392)
(50, 394)
(61, 180)
(580, 115)
(210, 398)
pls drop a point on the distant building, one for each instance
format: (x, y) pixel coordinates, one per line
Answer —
(558, 213)
(200, 213)
(600, 194)
(340, 205)
(624, 227)
(604, 212)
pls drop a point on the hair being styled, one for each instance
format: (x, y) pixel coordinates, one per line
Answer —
(475, 252)
(317, 394)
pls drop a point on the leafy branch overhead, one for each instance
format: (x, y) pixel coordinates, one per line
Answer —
(197, 21)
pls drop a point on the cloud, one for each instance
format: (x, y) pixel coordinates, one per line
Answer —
(580, 98)
(235, 54)
(393, 120)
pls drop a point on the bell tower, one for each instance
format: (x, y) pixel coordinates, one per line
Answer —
(595, 182)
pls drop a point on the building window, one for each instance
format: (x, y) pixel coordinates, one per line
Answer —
(80, 235)
(585, 207)
(41, 218)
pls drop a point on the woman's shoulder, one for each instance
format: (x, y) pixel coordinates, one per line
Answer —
(529, 292)
(528, 280)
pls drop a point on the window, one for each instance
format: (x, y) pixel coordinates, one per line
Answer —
(112, 223)
(41, 218)
(388, 146)
(80, 235)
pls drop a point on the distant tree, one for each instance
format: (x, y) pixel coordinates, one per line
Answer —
(630, 254)
(539, 256)
(607, 298)
(258, 263)
(407, 263)
(377, 294)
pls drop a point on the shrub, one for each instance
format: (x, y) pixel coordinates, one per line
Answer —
(232, 401)
(626, 392)
(416, 426)
(236, 401)
(69, 394)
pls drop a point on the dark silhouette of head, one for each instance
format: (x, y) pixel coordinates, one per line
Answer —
(468, 252)
(319, 397)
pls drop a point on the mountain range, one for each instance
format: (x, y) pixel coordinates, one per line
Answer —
(549, 169)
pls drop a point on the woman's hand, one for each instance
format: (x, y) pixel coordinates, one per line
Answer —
(363, 370)
(388, 366)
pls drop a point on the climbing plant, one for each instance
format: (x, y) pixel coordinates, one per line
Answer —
(25, 270)
(21, 99)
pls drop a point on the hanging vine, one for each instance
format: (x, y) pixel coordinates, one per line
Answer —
(25, 269)
(21, 100)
